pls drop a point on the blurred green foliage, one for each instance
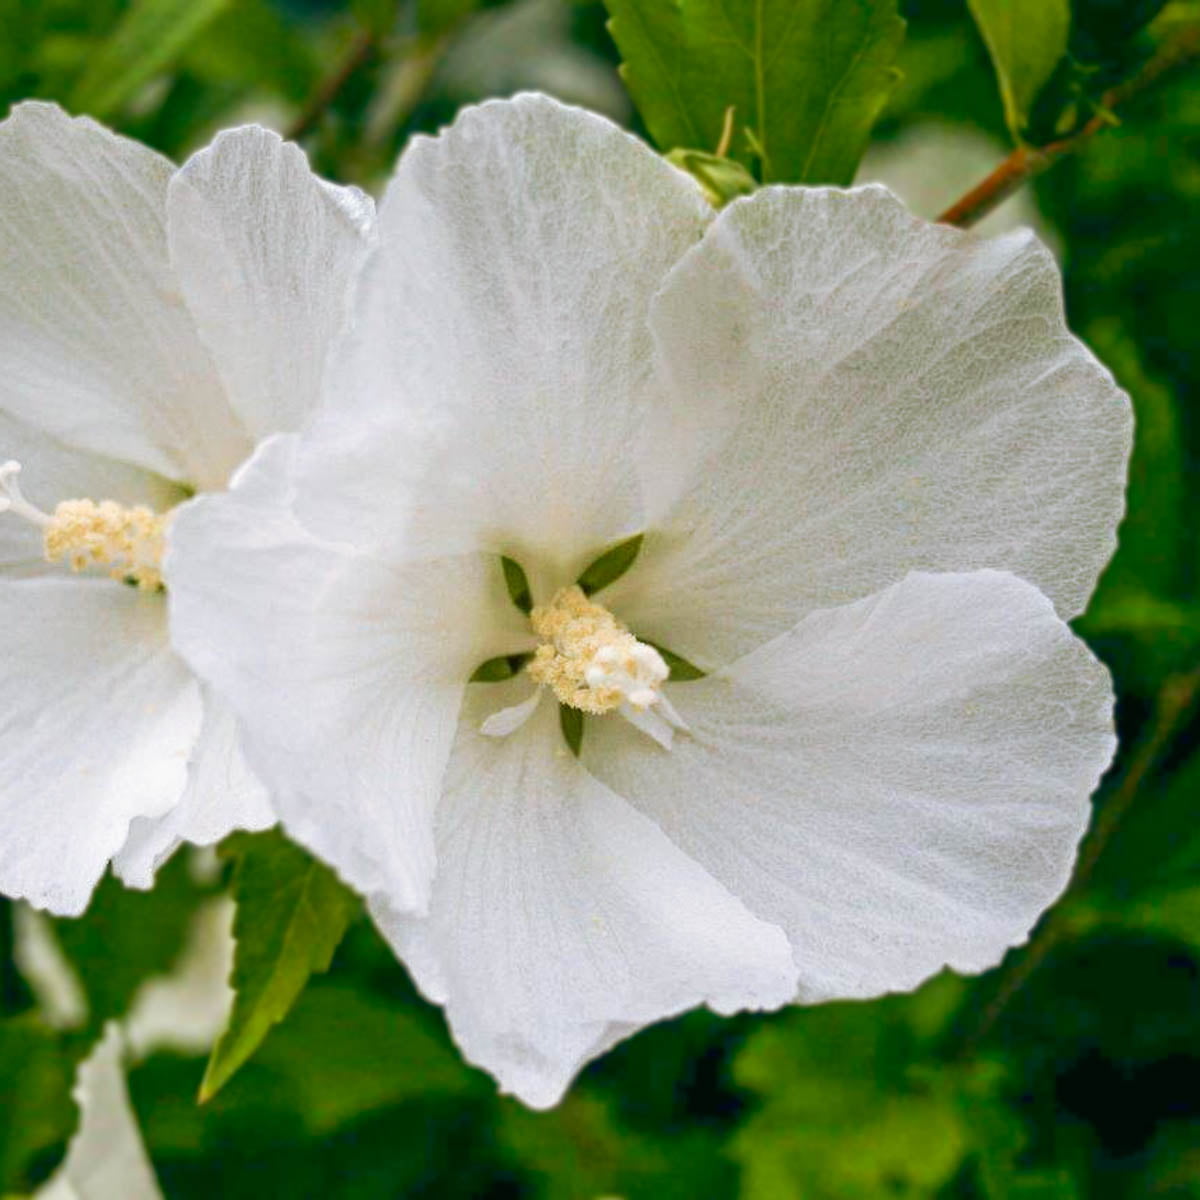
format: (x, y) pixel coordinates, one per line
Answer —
(1073, 1070)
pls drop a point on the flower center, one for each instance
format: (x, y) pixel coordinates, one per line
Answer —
(589, 659)
(126, 541)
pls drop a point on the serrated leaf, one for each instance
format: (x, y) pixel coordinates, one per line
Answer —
(291, 914)
(148, 38)
(1026, 40)
(806, 78)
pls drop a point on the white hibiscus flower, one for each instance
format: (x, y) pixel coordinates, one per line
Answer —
(856, 446)
(154, 325)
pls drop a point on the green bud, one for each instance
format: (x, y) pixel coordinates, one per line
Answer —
(722, 179)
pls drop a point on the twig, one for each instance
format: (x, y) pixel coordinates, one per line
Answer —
(1174, 703)
(1027, 161)
(358, 54)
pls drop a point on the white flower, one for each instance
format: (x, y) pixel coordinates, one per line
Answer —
(857, 446)
(154, 325)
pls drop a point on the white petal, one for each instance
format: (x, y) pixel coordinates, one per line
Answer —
(52, 471)
(222, 794)
(899, 783)
(266, 254)
(106, 1159)
(864, 394)
(507, 309)
(346, 674)
(508, 720)
(562, 919)
(652, 723)
(99, 721)
(99, 348)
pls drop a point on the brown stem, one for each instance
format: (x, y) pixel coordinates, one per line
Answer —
(1174, 702)
(357, 55)
(1027, 161)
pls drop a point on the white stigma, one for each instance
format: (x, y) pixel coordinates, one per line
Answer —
(634, 669)
(13, 500)
(126, 541)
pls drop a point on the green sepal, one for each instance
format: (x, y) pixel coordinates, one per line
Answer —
(723, 179)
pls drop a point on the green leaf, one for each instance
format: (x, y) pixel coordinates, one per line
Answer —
(15, 996)
(1171, 913)
(437, 17)
(1143, 607)
(835, 1121)
(251, 46)
(853, 1101)
(1158, 846)
(376, 16)
(291, 914)
(37, 1114)
(1171, 1169)
(1026, 39)
(147, 40)
(372, 1053)
(1148, 879)
(1152, 549)
(806, 78)
(581, 1148)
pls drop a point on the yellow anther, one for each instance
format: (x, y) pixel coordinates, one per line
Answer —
(129, 542)
(589, 659)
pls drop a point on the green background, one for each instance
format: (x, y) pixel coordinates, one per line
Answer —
(1072, 1070)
